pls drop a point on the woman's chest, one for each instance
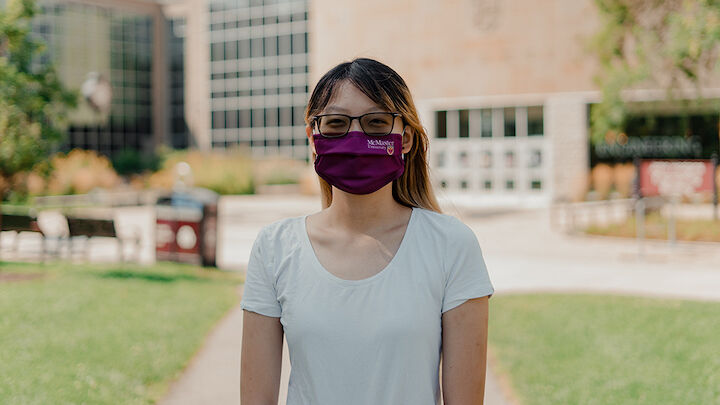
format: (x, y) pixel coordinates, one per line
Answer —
(404, 302)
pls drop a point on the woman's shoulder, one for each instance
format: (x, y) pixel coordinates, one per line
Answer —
(445, 225)
(281, 230)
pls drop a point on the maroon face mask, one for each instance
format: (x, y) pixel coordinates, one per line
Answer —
(359, 163)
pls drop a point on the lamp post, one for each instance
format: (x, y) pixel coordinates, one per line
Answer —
(714, 178)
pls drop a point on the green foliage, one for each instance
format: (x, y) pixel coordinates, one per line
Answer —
(33, 101)
(131, 161)
(672, 45)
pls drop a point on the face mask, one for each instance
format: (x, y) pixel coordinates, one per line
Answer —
(359, 163)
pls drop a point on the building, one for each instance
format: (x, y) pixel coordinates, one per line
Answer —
(207, 74)
(246, 73)
(503, 87)
(120, 44)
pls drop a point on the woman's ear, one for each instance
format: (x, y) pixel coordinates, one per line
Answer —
(308, 132)
(407, 139)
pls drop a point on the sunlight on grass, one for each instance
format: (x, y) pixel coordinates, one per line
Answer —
(607, 349)
(104, 334)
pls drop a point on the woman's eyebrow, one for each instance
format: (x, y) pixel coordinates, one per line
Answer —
(338, 109)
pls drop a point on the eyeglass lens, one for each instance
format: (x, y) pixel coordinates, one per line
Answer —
(380, 123)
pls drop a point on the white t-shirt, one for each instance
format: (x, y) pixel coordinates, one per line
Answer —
(371, 341)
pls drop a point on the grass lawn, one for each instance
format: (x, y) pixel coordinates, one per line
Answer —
(607, 349)
(103, 333)
(656, 227)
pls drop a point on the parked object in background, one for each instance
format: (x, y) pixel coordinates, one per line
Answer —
(186, 226)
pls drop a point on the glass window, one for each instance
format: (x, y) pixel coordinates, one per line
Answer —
(509, 115)
(535, 121)
(486, 122)
(509, 159)
(464, 116)
(298, 43)
(231, 119)
(440, 159)
(217, 51)
(231, 50)
(256, 47)
(463, 159)
(535, 158)
(218, 119)
(271, 117)
(486, 159)
(441, 124)
(258, 116)
(509, 184)
(271, 46)
(284, 45)
(244, 48)
(487, 184)
(285, 116)
(244, 121)
(298, 115)
(536, 185)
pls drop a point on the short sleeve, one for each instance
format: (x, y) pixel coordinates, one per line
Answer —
(259, 294)
(466, 273)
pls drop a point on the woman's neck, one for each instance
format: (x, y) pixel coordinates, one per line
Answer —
(365, 212)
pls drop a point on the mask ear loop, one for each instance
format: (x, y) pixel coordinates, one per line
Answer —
(401, 135)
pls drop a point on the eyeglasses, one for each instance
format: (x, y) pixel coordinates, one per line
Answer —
(337, 125)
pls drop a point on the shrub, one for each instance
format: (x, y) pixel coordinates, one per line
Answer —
(130, 161)
(225, 172)
(78, 171)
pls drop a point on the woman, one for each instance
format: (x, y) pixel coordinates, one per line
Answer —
(374, 288)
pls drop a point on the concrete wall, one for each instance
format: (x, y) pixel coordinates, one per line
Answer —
(197, 69)
(478, 53)
(457, 48)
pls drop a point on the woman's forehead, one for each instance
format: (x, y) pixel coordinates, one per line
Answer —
(346, 98)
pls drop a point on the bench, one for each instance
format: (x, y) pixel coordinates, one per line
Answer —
(21, 223)
(99, 227)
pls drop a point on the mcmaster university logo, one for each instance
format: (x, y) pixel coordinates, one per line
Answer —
(388, 146)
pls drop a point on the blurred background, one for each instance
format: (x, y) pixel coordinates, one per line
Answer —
(578, 138)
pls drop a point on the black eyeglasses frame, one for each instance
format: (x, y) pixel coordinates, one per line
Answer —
(358, 117)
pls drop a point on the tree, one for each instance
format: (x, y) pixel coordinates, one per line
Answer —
(33, 101)
(668, 44)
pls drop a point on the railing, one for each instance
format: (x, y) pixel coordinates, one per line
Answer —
(99, 198)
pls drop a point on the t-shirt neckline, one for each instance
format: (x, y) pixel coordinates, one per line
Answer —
(382, 273)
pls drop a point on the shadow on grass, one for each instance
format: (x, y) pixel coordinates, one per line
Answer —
(155, 277)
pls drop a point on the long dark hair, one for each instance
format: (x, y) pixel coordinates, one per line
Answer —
(386, 88)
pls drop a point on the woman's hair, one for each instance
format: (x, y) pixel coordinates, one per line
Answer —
(386, 88)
